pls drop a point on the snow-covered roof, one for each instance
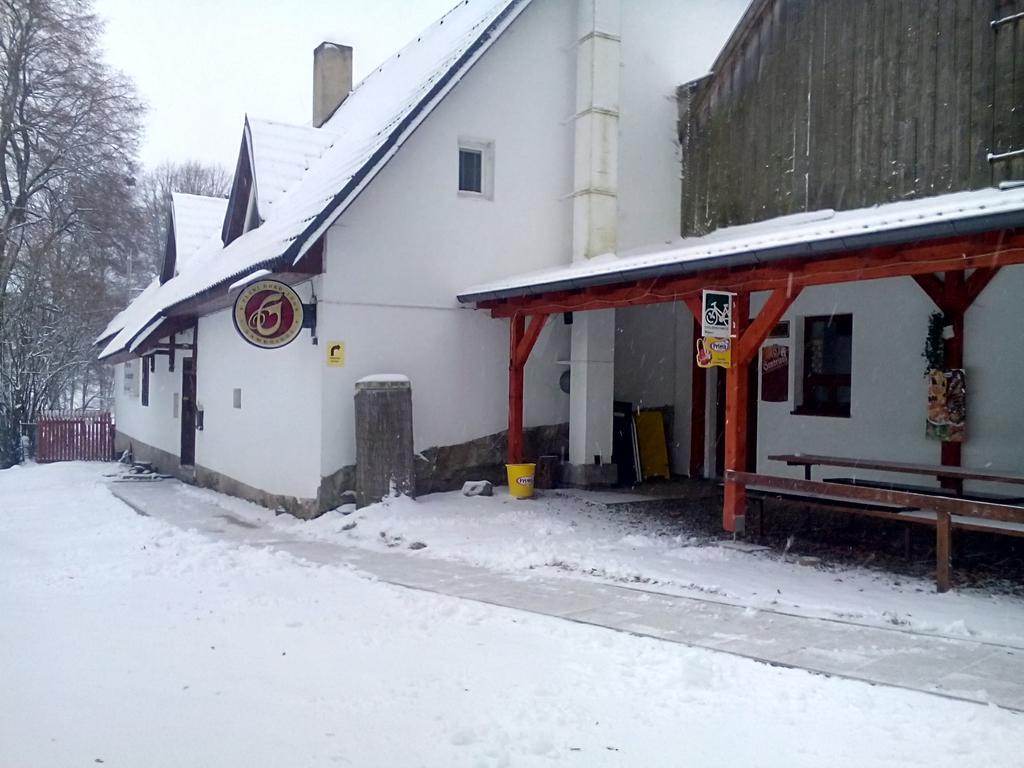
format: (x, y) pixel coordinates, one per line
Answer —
(195, 218)
(799, 235)
(367, 130)
(132, 314)
(280, 155)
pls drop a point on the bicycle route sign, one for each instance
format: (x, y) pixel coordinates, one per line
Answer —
(716, 314)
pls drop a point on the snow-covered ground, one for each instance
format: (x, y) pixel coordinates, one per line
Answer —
(129, 642)
(577, 536)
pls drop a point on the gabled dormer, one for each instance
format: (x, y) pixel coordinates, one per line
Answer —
(191, 222)
(242, 213)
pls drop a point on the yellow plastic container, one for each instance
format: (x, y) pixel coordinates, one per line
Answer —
(520, 480)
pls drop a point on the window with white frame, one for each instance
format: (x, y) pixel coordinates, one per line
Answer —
(476, 168)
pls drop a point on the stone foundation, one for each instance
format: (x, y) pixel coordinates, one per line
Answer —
(305, 509)
(162, 461)
(446, 468)
(438, 469)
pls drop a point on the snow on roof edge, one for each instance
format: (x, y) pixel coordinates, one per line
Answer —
(810, 233)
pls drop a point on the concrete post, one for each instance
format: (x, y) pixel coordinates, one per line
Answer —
(590, 399)
(384, 447)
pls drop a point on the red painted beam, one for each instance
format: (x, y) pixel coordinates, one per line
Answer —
(954, 254)
(522, 339)
(515, 392)
(754, 336)
(737, 383)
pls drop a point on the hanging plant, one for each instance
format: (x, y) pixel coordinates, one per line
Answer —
(934, 345)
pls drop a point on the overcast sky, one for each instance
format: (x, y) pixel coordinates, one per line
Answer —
(202, 64)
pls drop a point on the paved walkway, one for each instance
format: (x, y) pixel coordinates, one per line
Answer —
(959, 669)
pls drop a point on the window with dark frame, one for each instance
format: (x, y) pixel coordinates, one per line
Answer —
(827, 365)
(471, 170)
(145, 381)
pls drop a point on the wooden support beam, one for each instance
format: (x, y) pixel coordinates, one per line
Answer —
(977, 283)
(522, 339)
(737, 383)
(698, 404)
(943, 551)
(530, 337)
(747, 340)
(693, 303)
(931, 285)
(515, 392)
(769, 316)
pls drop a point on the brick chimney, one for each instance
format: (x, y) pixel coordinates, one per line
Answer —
(332, 80)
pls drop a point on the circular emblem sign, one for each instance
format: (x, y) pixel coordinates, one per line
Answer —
(268, 314)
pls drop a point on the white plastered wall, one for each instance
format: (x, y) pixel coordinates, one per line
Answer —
(272, 442)
(396, 260)
(158, 424)
(653, 367)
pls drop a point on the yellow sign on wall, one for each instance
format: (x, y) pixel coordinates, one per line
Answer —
(712, 351)
(335, 354)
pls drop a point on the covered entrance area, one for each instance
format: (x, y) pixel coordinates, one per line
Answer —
(865, 277)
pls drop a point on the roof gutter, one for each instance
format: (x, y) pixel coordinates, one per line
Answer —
(805, 249)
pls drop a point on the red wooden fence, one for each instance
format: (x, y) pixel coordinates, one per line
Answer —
(74, 437)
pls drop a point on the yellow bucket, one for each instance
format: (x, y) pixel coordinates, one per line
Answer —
(520, 480)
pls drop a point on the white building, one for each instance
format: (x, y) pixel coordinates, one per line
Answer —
(510, 136)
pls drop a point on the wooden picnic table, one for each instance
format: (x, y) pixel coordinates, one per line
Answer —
(941, 471)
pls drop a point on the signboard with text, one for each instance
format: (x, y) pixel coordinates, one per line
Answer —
(716, 314)
(714, 351)
(268, 314)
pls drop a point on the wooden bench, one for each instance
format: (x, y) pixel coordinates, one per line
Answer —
(911, 507)
(995, 498)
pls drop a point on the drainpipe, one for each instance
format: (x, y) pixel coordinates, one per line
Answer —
(594, 214)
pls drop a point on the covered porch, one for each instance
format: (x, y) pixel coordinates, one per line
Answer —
(949, 248)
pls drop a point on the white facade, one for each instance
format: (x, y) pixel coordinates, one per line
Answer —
(396, 258)
(158, 424)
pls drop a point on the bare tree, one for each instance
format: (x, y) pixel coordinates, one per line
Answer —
(69, 131)
(154, 194)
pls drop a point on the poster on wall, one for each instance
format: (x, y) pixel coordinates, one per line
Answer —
(775, 373)
(947, 405)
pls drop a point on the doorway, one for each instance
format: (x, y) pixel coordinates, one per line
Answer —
(188, 412)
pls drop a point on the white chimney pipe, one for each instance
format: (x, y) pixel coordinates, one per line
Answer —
(332, 80)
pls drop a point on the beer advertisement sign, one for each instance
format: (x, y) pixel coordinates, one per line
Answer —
(713, 351)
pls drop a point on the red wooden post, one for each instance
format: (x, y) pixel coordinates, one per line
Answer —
(515, 391)
(736, 391)
(698, 405)
(747, 340)
(521, 341)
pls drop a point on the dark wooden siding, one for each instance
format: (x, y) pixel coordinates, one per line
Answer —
(848, 103)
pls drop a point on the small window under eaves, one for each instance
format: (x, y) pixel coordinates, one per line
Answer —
(471, 171)
(476, 168)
